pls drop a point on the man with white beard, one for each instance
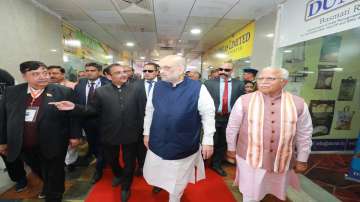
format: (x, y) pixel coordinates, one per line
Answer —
(175, 113)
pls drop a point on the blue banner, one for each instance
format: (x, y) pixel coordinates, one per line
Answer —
(354, 173)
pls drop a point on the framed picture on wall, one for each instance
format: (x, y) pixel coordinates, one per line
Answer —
(347, 89)
(330, 48)
(325, 76)
(322, 113)
(344, 118)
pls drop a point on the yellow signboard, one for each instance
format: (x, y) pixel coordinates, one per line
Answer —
(239, 45)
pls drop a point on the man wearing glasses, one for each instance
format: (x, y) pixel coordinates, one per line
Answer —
(37, 132)
(264, 129)
(150, 72)
(224, 91)
(120, 109)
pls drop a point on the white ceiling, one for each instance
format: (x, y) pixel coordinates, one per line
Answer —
(166, 28)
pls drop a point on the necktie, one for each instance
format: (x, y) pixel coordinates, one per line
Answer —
(150, 86)
(225, 98)
(91, 91)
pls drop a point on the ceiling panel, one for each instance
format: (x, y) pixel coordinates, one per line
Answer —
(212, 8)
(252, 9)
(105, 16)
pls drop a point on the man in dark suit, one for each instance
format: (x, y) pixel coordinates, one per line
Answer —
(224, 91)
(84, 92)
(37, 131)
(150, 72)
(15, 169)
(120, 108)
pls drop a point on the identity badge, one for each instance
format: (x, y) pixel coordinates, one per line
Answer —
(31, 113)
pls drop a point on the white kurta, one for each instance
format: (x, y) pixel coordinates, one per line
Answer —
(173, 175)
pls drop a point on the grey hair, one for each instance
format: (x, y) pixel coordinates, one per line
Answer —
(283, 72)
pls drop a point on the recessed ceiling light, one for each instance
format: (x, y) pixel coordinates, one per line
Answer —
(72, 43)
(65, 58)
(195, 31)
(270, 35)
(221, 55)
(247, 61)
(53, 50)
(109, 56)
(179, 54)
(288, 51)
(130, 44)
(142, 58)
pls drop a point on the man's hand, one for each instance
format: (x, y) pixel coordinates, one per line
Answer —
(3, 149)
(74, 142)
(300, 167)
(146, 141)
(207, 151)
(63, 105)
(231, 154)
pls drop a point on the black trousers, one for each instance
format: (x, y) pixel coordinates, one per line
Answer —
(141, 152)
(95, 147)
(129, 155)
(15, 169)
(220, 144)
(51, 171)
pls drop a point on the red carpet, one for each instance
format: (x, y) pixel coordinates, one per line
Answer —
(212, 189)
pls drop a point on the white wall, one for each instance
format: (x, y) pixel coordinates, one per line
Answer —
(28, 33)
(263, 46)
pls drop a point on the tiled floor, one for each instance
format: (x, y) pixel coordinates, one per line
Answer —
(329, 171)
(325, 170)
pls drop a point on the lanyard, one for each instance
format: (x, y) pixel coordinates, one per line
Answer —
(35, 94)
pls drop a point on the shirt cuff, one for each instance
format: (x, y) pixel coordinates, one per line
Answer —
(208, 140)
(303, 156)
(231, 147)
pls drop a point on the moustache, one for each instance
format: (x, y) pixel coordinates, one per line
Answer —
(223, 74)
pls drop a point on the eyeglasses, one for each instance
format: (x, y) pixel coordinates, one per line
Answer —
(147, 70)
(226, 70)
(267, 79)
(37, 74)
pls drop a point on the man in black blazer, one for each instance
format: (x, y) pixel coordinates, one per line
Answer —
(37, 131)
(224, 91)
(150, 72)
(120, 109)
(84, 91)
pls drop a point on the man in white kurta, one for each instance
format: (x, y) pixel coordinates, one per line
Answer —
(264, 129)
(171, 165)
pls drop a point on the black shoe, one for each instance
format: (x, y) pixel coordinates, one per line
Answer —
(41, 195)
(71, 167)
(116, 181)
(139, 172)
(125, 195)
(220, 171)
(21, 185)
(156, 190)
(96, 177)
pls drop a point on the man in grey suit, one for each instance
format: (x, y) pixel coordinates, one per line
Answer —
(224, 91)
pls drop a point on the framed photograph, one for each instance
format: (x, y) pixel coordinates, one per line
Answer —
(347, 89)
(325, 76)
(330, 48)
(322, 113)
(344, 118)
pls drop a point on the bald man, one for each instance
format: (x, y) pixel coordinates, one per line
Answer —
(172, 134)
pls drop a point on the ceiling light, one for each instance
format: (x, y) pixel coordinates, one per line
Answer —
(288, 51)
(65, 58)
(72, 43)
(270, 35)
(109, 56)
(247, 61)
(120, 62)
(53, 50)
(130, 44)
(195, 31)
(179, 54)
(221, 55)
(142, 58)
